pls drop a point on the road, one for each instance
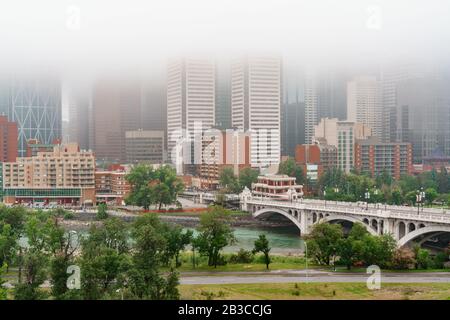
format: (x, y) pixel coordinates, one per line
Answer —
(284, 276)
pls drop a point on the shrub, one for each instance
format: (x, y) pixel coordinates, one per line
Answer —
(68, 215)
(243, 256)
(403, 259)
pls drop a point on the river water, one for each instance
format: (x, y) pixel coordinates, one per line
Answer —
(282, 240)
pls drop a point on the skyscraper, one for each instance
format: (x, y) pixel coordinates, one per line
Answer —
(364, 103)
(292, 110)
(116, 107)
(223, 94)
(154, 113)
(34, 104)
(190, 108)
(79, 104)
(423, 115)
(256, 105)
(325, 97)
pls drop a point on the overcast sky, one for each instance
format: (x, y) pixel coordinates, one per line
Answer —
(88, 35)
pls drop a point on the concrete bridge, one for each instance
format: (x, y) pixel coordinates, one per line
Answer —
(405, 224)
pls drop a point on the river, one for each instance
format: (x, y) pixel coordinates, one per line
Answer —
(282, 240)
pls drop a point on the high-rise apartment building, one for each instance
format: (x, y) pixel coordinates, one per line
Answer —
(8, 140)
(190, 109)
(65, 176)
(364, 103)
(256, 105)
(374, 157)
(34, 104)
(342, 135)
(116, 106)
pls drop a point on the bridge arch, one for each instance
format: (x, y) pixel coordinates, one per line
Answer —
(264, 212)
(421, 231)
(350, 219)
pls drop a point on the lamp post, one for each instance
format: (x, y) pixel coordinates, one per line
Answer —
(375, 192)
(422, 196)
(336, 190)
(325, 196)
(367, 197)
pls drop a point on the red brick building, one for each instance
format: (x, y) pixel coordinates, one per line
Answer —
(315, 159)
(111, 185)
(373, 157)
(8, 140)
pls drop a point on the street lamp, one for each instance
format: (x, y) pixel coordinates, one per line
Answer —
(325, 196)
(367, 197)
(336, 190)
(420, 197)
(375, 192)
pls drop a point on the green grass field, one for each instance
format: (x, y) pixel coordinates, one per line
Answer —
(278, 263)
(316, 291)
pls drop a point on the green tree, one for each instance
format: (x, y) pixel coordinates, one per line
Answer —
(35, 258)
(322, 242)
(145, 279)
(35, 273)
(228, 180)
(262, 245)
(62, 247)
(104, 260)
(443, 181)
(350, 249)
(3, 290)
(430, 195)
(166, 186)
(139, 179)
(247, 176)
(215, 234)
(102, 211)
(378, 250)
(148, 186)
(423, 258)
(290, 168)
(8, 245)
(176, 240)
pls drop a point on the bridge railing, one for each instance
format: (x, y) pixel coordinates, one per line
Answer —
(355, 210)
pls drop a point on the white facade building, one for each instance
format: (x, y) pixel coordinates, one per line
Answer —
(364, 103)
(256, 106)
(190, 107)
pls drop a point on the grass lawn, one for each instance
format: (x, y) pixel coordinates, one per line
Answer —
(278, 263)
(316, 291)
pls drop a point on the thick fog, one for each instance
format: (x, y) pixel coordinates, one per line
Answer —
(82, 37)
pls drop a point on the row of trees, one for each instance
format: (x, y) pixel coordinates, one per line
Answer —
(112, 257)
(138, 261)
(353, 186)
(328, 245)
(153, 186)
